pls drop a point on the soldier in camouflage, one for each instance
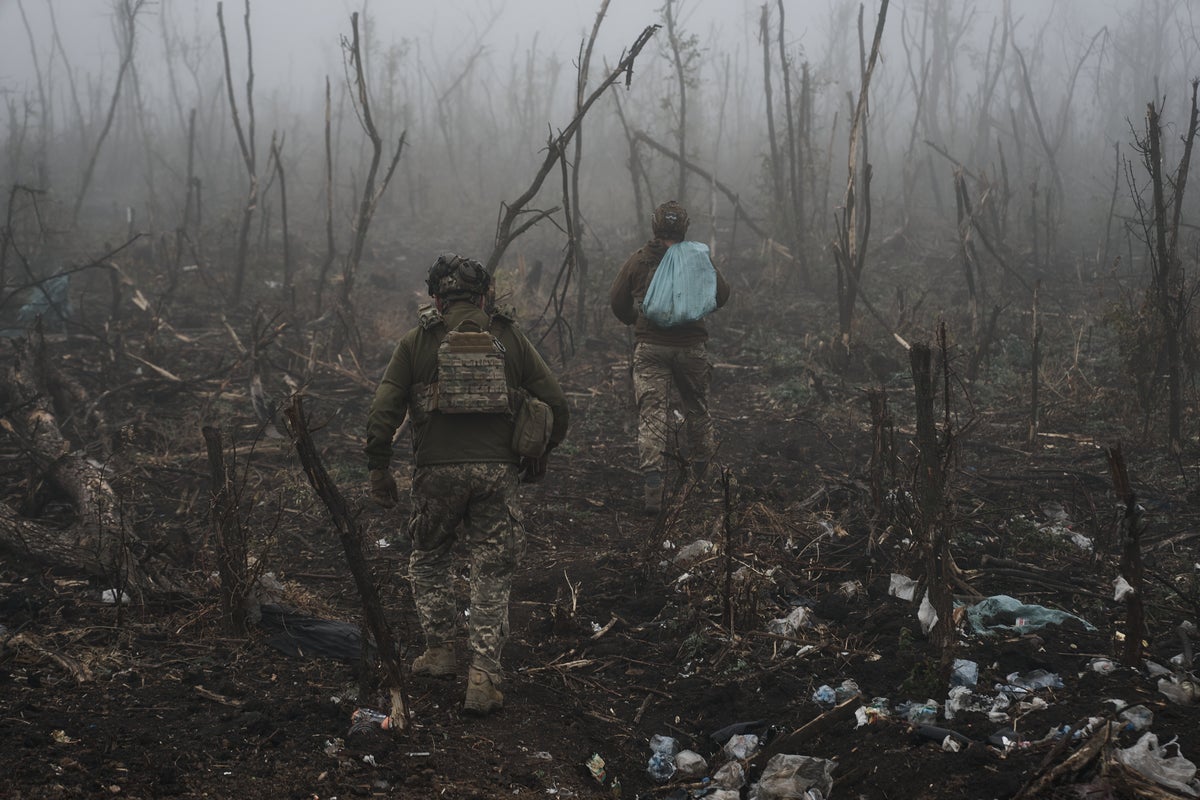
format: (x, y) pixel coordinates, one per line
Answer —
(665, 357)
(465, 474)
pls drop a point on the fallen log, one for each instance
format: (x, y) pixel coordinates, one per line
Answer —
(100, 542)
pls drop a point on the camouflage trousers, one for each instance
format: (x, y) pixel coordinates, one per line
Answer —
(478, 501)
(656, 368)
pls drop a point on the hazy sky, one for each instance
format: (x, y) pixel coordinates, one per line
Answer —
(298, 37)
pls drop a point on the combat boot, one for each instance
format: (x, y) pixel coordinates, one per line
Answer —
(436, 661)
(482, 695)
(653, 493)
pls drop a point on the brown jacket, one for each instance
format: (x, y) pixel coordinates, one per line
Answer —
(630, 287)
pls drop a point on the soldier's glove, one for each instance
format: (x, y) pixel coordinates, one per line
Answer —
(383, 488)
(534, 469)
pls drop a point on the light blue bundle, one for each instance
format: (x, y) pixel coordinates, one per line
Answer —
(684, 287)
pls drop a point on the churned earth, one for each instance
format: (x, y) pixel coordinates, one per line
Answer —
(616, 638)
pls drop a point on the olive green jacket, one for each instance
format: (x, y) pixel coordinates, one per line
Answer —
(440, 438)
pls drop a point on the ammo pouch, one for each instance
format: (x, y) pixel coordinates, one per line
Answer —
(470, 373)
(532, 423)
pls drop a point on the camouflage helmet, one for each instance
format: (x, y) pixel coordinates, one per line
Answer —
(454, 276)
(670, 221)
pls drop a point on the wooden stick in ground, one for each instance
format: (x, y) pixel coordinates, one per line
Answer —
(1133, 524)
(930, 491)
(352, 543)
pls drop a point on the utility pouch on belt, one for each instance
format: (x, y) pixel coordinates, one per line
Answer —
(532, 424)
(471, 373)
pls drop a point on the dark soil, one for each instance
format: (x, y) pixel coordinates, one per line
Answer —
(612, 640)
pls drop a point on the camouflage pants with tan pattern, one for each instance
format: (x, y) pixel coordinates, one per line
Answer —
(477, 500)
(656, 368)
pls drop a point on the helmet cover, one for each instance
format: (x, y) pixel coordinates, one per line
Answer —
(454, 276)
(670, 221)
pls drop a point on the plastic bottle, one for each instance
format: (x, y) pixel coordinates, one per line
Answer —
(1137, 718)
(662, 763)
(661, 767)
(366, 718)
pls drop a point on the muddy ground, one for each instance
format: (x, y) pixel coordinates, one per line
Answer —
(614, 639)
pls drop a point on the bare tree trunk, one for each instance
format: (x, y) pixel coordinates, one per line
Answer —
(1161, 234)
(1112, 207)
(1035, 362)
(681, 79)
(370, 193)
(1132, 526)
(289, 291)
(794, 209)
(128, 11)
(637, 172)
(330, 249)
(352, 544)
(931, 500)
(576, 245)
(854, 228)
(77, 107)
(245, 145)
(882, 466)
(776, 167)
(970, 262)
(41, 168)
(232, 552)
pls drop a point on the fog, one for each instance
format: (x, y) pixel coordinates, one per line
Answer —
(1037, 101)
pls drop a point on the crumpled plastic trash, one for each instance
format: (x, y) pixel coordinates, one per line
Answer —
(1003, 613)
(741, 746)
(1137, 718)
(824, 696)
(1149, 759)
(927, 614)
(661, 766)
(595, 766)
(1121, 588)
(902, 586)
(690, 765)
(50, 300)
(1037, 679)
(919, 713)
(846, 689)
(797, 618)
(960, 699)
(1181, 691)
(964, 673)
(690, 552)
(787, 776)
(730, 776)
(724, 794)
(850, 589)
(878, 709)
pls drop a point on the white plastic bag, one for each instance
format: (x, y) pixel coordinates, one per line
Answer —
(1150, 760)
